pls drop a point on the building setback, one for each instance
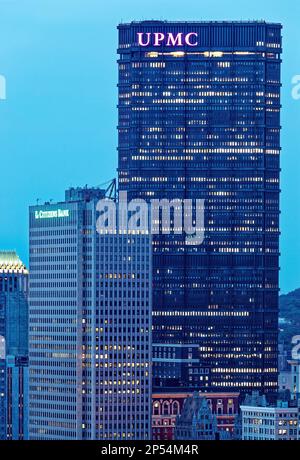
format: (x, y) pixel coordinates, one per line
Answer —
(90, 325)
(13, 347)
(199, 118)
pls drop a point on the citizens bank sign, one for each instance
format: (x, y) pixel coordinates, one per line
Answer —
(57, 213)
(167, 39)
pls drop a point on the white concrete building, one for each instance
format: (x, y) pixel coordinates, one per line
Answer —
(263, 422)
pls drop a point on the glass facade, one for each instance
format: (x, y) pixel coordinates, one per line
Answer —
(199, 117)
(13, 347)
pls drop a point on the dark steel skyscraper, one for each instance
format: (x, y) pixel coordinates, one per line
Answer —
(199, 117)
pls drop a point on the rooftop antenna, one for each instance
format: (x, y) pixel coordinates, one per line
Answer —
(37, 201)
(111, 191)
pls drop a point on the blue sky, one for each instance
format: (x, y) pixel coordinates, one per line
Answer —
(58, 123)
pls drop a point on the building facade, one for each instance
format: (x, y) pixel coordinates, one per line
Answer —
(90, 325)
(196, 421)
(289, 380)
(263, 422)
(199, 118)
(167, 406)
(14, 347)
(295, 378)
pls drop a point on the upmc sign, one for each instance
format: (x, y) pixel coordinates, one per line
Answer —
(167, 39)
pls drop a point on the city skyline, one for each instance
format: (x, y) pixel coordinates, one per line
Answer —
(80, 120)
(144, 303)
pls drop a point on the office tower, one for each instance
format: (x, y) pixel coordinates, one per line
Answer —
(90, 325)
(199, 118)
(124, 378)
(13, 347)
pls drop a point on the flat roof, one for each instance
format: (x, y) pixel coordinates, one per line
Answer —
(201, 22)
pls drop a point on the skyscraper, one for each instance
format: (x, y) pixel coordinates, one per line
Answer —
(13, 347)
(90, 325)
(199, 117)
(124, 378)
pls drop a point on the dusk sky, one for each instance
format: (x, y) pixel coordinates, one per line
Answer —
(58, 122)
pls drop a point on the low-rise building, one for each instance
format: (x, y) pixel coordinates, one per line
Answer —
(168, 405)
(196, 421)
(261, 421)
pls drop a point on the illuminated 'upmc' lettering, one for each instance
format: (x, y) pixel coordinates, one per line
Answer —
(169, 39)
